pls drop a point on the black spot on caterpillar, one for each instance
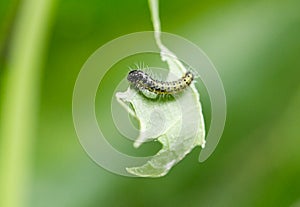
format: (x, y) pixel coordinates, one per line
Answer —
(142, 81)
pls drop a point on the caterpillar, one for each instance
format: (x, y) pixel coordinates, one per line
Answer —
(144, 82)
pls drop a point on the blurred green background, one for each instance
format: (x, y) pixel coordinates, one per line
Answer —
(255, 45)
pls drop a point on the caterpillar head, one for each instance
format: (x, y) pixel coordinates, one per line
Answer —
(135, 76)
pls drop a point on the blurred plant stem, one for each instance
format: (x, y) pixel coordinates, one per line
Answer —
(6, 23)
(20, 99)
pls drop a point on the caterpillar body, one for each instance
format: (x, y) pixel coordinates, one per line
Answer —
(144, 82)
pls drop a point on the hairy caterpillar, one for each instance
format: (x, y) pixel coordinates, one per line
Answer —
(144, 82)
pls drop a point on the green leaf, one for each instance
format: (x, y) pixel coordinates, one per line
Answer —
(177, 123)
